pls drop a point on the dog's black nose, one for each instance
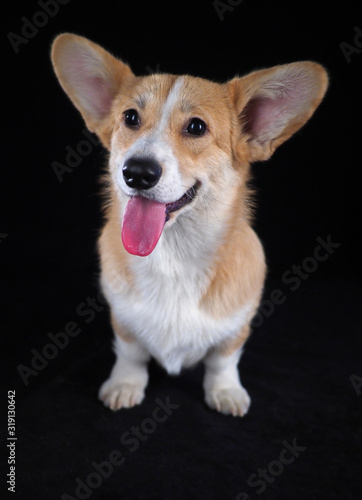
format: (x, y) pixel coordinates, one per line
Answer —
(141, 173)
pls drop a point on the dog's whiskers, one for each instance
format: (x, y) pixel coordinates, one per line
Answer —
(209, 206)
(191, 194)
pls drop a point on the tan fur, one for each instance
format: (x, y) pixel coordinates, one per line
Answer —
(239, 268)
(114, 258)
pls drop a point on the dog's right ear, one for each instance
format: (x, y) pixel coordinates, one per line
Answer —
(272, 104)
(91, 77)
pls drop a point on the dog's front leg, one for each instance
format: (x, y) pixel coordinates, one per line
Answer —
(223, 389)
(126, 385)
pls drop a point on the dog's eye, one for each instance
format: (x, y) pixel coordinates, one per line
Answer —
(196, 127)
(131, 118)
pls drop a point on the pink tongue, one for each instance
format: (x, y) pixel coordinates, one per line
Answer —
(142, 225)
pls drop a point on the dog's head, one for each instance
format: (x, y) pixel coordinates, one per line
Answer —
(176, 141)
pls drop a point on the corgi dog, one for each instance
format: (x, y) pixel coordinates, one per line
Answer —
(181, 267)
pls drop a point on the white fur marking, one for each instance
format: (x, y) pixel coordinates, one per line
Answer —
(127, 382)
(223, 389)
(165, 318)
(170, 103)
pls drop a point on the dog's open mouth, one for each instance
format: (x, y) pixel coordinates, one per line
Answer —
(144, 220)
(184, 200)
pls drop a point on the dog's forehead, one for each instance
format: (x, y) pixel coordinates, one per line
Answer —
(183, 92)
(153, 89)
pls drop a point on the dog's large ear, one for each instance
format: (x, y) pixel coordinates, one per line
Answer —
(90, 76)
(272, 104)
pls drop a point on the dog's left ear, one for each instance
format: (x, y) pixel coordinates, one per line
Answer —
(91, 77)
(272, 104)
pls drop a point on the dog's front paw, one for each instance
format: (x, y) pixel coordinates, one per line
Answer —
(231, 400)
(117, 395)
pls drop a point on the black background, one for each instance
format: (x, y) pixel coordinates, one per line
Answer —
(298, 364)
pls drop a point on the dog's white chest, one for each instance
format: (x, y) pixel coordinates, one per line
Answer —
(164, 311)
